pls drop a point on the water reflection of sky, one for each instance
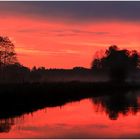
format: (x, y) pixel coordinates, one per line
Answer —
(81, 119)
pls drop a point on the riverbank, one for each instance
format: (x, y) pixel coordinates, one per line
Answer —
(17, 99)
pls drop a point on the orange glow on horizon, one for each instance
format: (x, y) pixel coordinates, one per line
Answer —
(41, 42)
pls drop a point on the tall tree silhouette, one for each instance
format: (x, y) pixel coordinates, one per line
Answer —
(7, 56)
(118, 62)
(7, 52)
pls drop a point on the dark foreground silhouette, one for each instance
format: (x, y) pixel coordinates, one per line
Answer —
(17, 99)
(24, 90)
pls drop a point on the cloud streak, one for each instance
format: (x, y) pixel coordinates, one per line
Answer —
(39, 52)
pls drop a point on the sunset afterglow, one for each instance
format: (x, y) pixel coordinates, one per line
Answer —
(56, 35)
(70, 69)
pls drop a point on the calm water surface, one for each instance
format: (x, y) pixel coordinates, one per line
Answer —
(100, 117)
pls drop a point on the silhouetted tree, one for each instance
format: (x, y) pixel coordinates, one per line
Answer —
(16, 73)
(96, 64)
(38, 74)
(7, 52)
(79, 69)
(118, 62)
(7, 56)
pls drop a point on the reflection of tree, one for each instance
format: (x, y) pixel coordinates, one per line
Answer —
(117, 104)
(5, 125)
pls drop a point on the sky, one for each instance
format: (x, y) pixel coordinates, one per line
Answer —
(60, 34)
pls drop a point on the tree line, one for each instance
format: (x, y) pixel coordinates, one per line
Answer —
(117, 63)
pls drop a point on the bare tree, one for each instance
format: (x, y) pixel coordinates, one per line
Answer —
(7, 52)
(7, 56)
